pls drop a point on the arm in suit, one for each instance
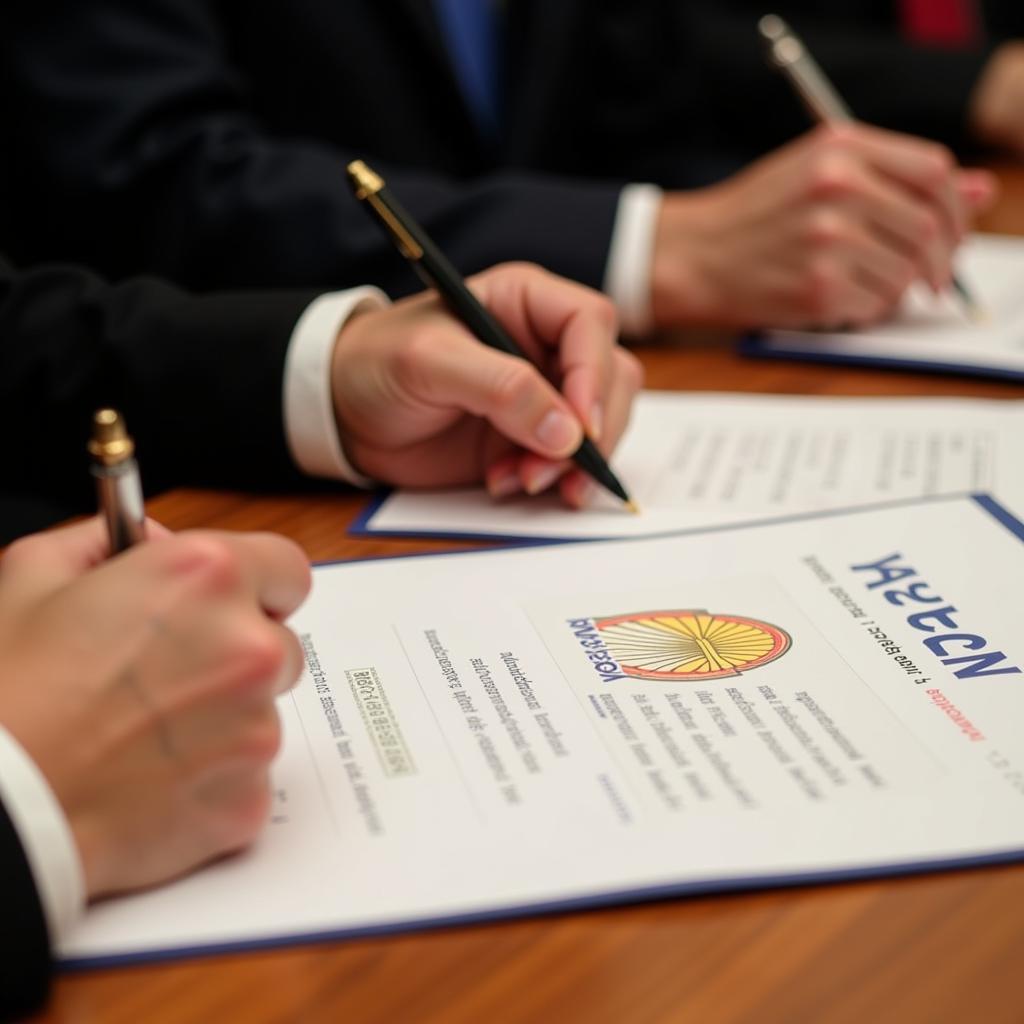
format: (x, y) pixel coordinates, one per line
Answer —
(224, 130)
(184, 369)
(24, 940)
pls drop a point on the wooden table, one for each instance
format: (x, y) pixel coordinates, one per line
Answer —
(940, 947)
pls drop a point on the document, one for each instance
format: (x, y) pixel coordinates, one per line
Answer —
(696, 460)
(558, 726)
(935, 333)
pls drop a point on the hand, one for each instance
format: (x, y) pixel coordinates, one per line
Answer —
(143, 687)
(421, 403)
(996, 111)
(830, 230)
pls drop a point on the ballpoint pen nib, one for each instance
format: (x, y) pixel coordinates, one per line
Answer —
(633, 507)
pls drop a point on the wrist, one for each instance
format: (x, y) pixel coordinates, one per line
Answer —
(346, 341)
(683, 282)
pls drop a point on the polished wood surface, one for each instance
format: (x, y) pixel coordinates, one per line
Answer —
(934, 948)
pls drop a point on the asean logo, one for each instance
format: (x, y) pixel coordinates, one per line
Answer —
(675, 646)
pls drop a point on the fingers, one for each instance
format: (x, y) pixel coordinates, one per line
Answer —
(516, 472)
(38, 564)
(849, 260)
(925, 168)
(507, 391)
(901, 224)
(187, 587)
(599, 381)
(576, 487)
(538, 307)
(277, 569)
(870, 181)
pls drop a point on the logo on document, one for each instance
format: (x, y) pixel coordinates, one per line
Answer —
(676, 646)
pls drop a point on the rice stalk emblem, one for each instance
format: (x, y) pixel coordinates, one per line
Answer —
(674, 646)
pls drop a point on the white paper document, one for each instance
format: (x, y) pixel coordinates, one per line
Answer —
(696, 460)
(547, 727)
(933, 332)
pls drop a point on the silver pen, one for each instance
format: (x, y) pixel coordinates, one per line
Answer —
(118, 489)
(787, 52)
(790, 56)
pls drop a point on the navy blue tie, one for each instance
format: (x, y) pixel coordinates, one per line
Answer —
(470, 28)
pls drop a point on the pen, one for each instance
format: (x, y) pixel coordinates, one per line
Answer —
(788, 53)
(112, 454)
(436, 271)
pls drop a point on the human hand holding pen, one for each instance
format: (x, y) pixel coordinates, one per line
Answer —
(143, 688)
(829, 230)
(420, 402)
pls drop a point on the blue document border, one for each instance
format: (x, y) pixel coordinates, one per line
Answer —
(618, 897)
(360, 527)
(615, 897)
(521, 541)
(754, 345)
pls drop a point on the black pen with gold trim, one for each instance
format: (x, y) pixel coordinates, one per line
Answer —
(436, 271)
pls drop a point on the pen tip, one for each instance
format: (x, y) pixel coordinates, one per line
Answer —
(633, 507)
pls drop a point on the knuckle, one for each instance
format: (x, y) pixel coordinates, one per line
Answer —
(257, 652)
(824, 228)
(211, 561)
(829, 176)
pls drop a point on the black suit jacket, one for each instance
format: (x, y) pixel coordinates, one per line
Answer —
(885, 79)
(24, 941)
(199, 379)
(206, 140)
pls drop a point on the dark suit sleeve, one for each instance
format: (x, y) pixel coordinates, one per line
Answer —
(884, 79)
(132, 112)
(199, 378)
(24, 941)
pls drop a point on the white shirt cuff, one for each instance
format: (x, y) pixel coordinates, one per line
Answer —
(627, 276)
(309, 423)
(45, 837)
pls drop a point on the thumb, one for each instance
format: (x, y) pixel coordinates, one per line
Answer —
(509, 392)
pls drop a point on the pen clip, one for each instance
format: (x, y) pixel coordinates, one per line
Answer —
(368, 185)
(411, 249)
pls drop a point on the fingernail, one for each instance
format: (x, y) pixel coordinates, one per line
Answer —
(504, 486)
(596, 422)
(558, 433)
(543, 478)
